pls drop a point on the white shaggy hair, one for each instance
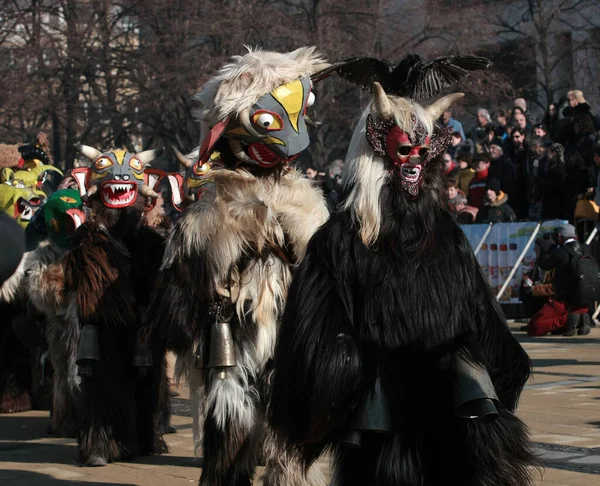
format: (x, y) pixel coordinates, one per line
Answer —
(364, 172)
(240, 83)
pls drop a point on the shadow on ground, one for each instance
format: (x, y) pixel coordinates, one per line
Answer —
(30, 478)
(18, 427)
(545, 363)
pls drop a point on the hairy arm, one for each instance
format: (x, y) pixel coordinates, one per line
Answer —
(317, 363)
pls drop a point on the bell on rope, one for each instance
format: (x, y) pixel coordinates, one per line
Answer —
(88, 353)
(474, 393)
(372, 415)
(222, 349)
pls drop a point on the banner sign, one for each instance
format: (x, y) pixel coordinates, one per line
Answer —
(501, 249)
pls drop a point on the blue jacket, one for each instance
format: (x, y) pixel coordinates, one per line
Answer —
(455, 125)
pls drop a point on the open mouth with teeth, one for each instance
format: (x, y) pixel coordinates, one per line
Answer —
(410, 172)
(25, 209)
(117, 194)
(265, 156)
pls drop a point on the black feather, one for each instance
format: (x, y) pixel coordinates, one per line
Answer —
(410, 78)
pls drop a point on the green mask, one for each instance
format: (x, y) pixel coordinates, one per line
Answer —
(63, 213)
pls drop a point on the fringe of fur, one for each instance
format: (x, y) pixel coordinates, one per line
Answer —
(16, 286)
(240, 83)
(245, 212)
(62, 333)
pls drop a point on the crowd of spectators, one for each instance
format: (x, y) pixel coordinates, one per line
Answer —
(512, 167)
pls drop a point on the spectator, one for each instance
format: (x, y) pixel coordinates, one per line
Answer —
(490, 137)
(517, 152)
(466, 173)
(477, 187)
(483, 121)
(536, 287)
(451, 170)
(540, 130)
(551, 119)
(311, 173)
(502, 123)
(459, 144)
(457, 205)
(554, 193)
(521, 121)
(502, 169)
(521, 104)
(574, 318)
(446, 120)
(495, 208)
(578, 106)
(534, 170)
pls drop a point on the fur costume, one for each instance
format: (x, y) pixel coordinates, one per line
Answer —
(63, 214)
(21, 337)
(237, 245)
(100, 290)
(389, 318)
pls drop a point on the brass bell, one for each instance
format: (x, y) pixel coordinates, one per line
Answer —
(143, 356)
(474, 393)
(373, 415)
(88, 352)
(222, 349)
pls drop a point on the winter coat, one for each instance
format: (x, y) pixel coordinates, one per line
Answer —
(554, 194)
(465, 176)
(458, 207)
(477, 189)
(496, 212)
(503, 170)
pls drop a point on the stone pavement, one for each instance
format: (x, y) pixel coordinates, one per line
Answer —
(561, 405)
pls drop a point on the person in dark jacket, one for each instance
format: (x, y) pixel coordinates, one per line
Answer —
(495, 209)
(554, 192)
(502, 169)
(476, 194)
(577, 320)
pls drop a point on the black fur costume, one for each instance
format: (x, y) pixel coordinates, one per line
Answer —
(111, 270)
(401, 309)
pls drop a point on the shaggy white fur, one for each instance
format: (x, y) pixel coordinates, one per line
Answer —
(364, 172)
(239, 84)
(241, 211)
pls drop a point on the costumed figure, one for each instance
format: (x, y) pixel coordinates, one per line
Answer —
(228, 263)
(393, 351)
(21, 331)
(17, 199)
(63, 214)
(103, 284)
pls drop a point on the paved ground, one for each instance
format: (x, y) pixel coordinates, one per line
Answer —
(561, 405)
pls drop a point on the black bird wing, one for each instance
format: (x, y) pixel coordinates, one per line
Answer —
(411, 77)
(428, 79)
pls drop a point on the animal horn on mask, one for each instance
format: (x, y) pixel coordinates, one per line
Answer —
(435, 109)
(183, 160)
(147, 192)
(381, 109)
(238, 151)
(87, 151)
(148, 156)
